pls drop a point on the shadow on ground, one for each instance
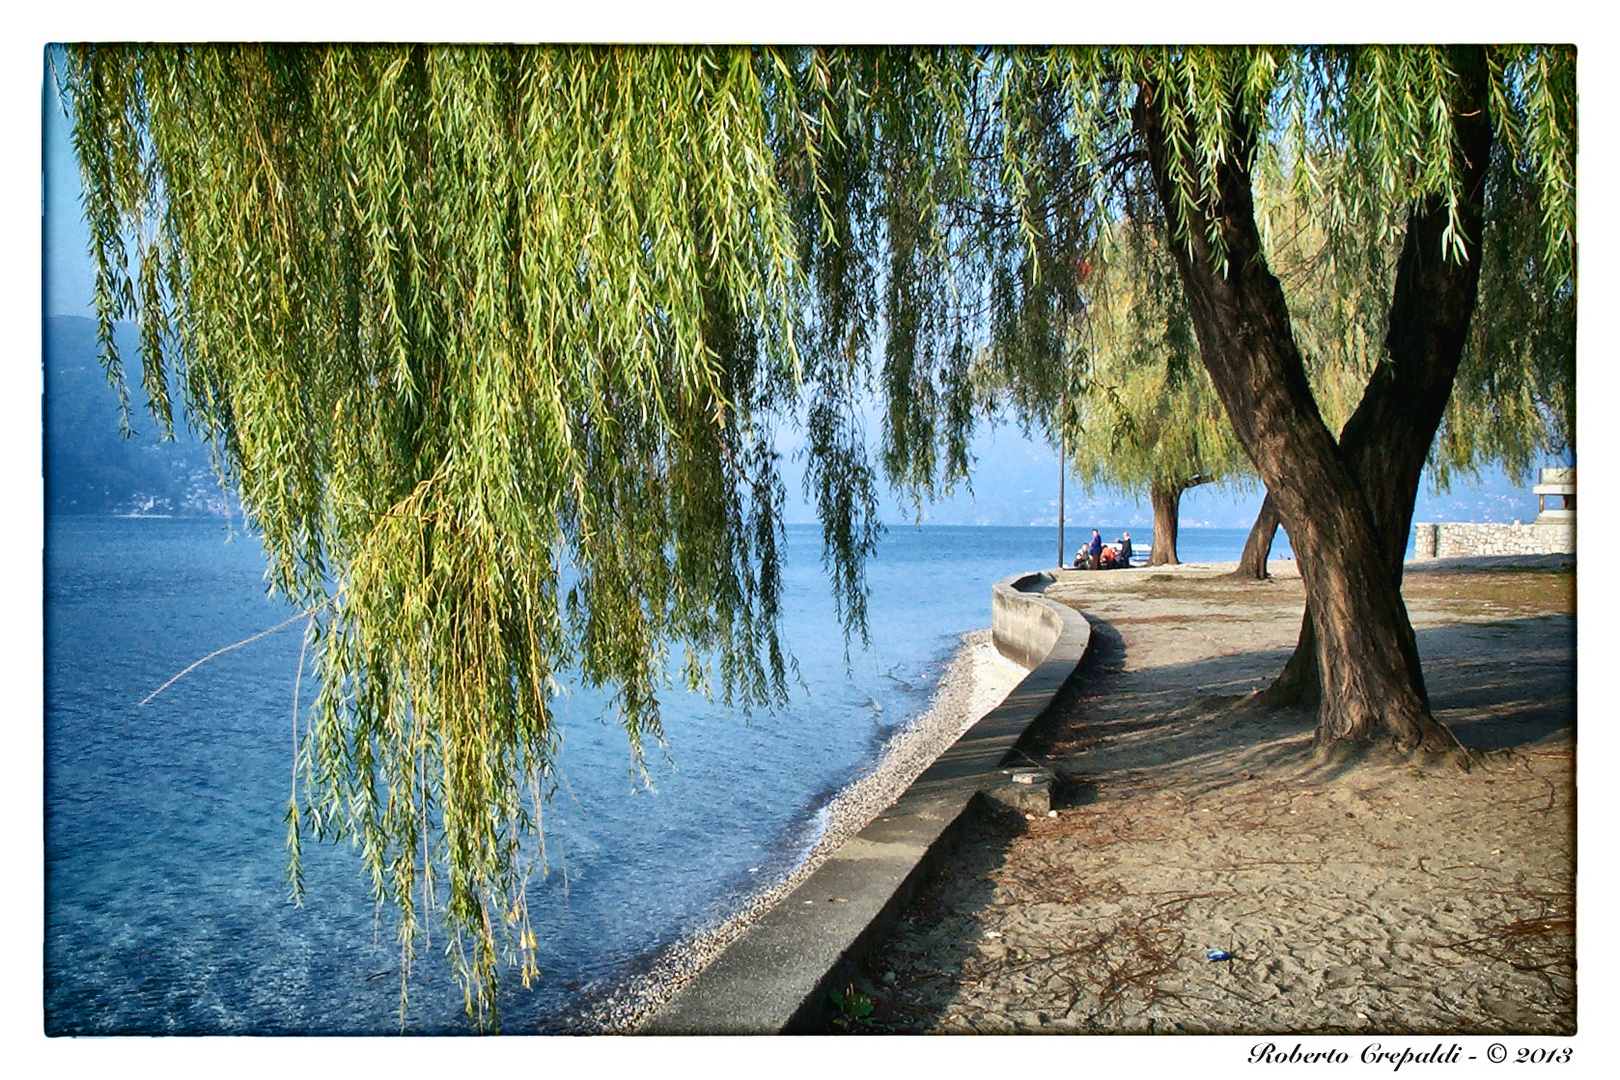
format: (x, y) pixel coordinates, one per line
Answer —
(1505, 684)
(1501, 685)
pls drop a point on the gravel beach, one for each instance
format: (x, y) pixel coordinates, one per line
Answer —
(976, 681)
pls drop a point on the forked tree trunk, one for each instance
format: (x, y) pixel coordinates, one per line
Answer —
(1166, 525)
(1387, 438)
(1371, 682)
(1257, 549)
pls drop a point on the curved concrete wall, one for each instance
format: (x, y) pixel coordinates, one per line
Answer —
(1024, 624)
(774, 977)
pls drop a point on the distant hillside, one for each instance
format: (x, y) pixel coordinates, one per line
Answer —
(90, 467)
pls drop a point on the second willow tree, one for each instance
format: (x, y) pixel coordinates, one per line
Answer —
(1148, 419)
(1143, 416)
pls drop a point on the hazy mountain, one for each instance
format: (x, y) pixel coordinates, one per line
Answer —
(91, 467)
(1015, 482)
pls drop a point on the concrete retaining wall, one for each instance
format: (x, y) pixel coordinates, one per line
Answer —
(774, 977)
(1448, 540)
(1023, 624)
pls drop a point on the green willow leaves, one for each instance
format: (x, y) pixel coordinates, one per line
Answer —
(489, 339)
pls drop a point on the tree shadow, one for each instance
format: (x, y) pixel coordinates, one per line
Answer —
(909, 973)
(1503, 685)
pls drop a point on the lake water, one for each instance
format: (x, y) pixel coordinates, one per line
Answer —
(166, 907)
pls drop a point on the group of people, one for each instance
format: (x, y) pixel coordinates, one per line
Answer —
(1100, 556)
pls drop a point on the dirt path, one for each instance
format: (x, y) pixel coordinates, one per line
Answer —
(1375, 897)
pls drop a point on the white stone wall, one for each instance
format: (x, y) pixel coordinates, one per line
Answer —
(1450, 539)
(1424, 538)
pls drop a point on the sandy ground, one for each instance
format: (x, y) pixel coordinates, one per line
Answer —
(1384, 895)
(976, 681)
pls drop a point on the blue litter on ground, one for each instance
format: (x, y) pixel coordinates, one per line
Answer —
(1216, 955)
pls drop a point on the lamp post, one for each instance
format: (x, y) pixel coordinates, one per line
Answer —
(1063, 465)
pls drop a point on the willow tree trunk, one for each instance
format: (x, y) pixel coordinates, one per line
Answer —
(1372, 687)
(1387, 439)
(1166, 525)
(1257, 549)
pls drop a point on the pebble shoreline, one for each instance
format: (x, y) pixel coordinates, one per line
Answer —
(975, 681)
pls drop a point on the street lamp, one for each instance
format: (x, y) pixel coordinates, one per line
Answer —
(1063, 467)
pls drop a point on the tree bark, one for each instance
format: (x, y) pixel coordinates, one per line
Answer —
(1166, 525)
(1257, 549)
(1371, 688)
(1167, 517)
(1387, 439)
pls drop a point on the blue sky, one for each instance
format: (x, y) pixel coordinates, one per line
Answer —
(67, 279)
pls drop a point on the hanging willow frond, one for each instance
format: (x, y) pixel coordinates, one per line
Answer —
(484, 336)
(1149, 418)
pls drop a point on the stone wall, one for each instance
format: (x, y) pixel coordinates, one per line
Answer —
(1455, 539)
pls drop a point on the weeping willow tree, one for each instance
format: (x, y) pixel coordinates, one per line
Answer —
(493, 343)
(1473, 357)
(489, 341)
(1148, 419)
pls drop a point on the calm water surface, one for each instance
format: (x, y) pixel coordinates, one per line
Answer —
(167, 909)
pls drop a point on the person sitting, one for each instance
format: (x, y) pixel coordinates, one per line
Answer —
(1108, 560)
(1080, 559)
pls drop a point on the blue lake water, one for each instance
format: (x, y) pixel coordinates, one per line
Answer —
(166, 905)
